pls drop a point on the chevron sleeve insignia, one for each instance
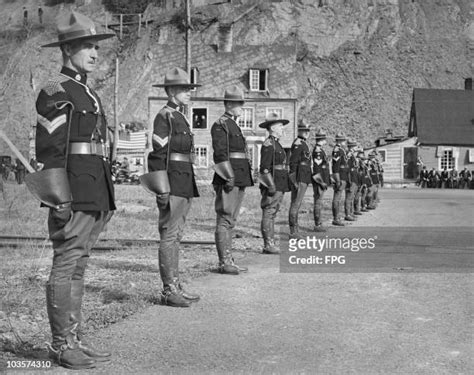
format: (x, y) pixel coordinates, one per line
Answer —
(52, 125)
(161, 141)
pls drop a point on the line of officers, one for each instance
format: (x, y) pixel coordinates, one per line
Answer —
(171, 178)
(446, 179)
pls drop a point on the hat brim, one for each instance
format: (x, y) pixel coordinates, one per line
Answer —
(266, 124)
(341, 139)
(190, 85)
(231, 100)
(94, 37)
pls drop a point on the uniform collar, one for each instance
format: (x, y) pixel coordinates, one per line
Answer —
(227, 114)
(75, 76)
(174, 106)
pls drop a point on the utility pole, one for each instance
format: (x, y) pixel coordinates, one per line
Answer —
(116, 128)
(188, 37)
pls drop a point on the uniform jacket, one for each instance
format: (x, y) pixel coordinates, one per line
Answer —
(444, 175)
(227, 137)
(300, 160)
(66, 101)
(374, 174)
(339, 162)
(424, 174)
(272, 153)
(320, 163)
(172, 134)
(352, 165)
(367, 175)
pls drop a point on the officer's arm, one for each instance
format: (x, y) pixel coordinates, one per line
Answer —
(157, 160)
(53, 109)
(266, 158)
(295, 157)
(219, 143)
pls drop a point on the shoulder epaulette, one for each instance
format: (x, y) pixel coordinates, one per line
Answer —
(268, 142)
(54, 85)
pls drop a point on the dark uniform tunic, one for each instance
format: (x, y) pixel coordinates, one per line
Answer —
(227, 138)
(89, 175)
(172, 135)
(300, 161)
(272, 154)
(339, 162)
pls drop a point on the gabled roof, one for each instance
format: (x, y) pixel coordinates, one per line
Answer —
(442, 117)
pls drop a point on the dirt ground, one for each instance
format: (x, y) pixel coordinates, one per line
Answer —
(267, 321)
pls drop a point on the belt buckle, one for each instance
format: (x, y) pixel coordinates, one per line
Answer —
(93, 148)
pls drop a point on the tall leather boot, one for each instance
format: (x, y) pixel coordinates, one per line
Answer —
(65, 346)
(268, 234)
(171, 294)
(226, 263)
(77, 292)
(229, 247)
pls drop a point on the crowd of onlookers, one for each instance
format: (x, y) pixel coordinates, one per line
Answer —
(446, 179)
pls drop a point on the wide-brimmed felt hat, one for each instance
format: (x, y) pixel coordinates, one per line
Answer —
(271, 119)
(176, 77)
(340, 137)
(303, 126)
(320, 134)
(75, 26)
(351, 143)
(233, 94)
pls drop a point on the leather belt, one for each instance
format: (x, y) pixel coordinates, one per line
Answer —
(280, 167)
(237, 155)
(181, 157)
(87, 148)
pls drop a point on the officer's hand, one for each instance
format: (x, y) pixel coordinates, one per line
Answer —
(271, 191)
(61, 215)
(229, 185)
(163, 199)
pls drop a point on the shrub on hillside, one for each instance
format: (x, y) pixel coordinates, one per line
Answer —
(51, 3)
(126, 6)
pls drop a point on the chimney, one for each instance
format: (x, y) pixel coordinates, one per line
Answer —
(468, 84)
(225, 38)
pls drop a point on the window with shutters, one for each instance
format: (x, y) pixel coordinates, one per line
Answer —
(258, 79)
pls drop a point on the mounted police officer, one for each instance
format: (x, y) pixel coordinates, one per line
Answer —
(300, 175)
(274, 180)
(233, 175)
(340, 177)
(76, 184)
(352, 182)
(172, 180)
(321, 179)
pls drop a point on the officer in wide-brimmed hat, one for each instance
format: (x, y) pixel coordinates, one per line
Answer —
(320, 177)
(340, 177)
(71, 139)
(274, 181)
(232, 176)
(352, 182)
(300, 174)
(172, 180)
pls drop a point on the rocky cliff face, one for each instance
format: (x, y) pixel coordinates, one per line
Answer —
(358, 61)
